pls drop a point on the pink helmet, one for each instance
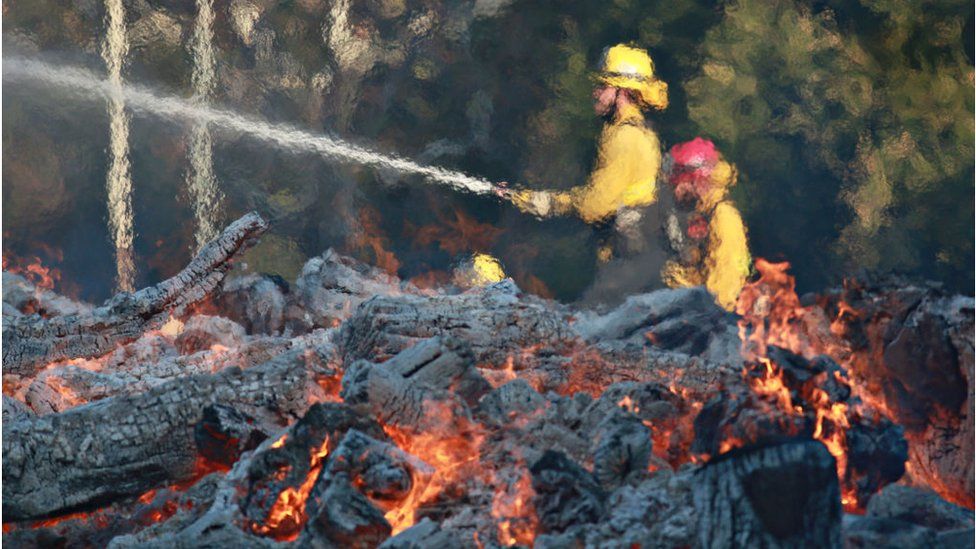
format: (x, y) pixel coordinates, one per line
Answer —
(694, 154)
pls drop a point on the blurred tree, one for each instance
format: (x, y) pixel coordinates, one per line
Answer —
(853, 124)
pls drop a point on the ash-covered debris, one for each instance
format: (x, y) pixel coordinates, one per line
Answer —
(352, 409)
(684, 320)
(331, 288)
(202, 332)
(902, 516)
(256, 302)
(20, 298)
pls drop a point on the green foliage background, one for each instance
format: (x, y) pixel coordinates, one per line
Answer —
(861, 114)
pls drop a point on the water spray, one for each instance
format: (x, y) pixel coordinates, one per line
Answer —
(284, 136)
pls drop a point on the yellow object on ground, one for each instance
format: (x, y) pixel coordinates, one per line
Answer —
(480, 270)
(625, 176)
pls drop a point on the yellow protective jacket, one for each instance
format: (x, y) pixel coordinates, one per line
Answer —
(628, 162)
(726, 265)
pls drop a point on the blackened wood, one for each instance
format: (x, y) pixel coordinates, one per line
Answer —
(129, 444)
(31, 341)
(413, 390)
(565, 493)
(496, 321)
(780, 495)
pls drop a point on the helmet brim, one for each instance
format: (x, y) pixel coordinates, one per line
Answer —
(651, 92)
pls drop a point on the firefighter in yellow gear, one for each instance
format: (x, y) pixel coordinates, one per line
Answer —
(703, 227)
(629, 157)
(618, 199)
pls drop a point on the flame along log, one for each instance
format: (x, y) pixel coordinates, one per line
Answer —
(30, 342)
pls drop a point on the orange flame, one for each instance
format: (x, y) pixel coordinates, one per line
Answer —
(772, 315)
(512, 508)
(628, 404)
(43, 278)
(451, 453)
(288, 512)
(369, 241)
(460, 234)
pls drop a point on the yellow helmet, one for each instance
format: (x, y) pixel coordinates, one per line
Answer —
(631, 68)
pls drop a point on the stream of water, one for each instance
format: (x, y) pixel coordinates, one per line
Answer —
(88, 86)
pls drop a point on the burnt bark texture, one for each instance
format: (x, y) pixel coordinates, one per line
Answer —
(913, 349)
(486, 417)
(497, 321)
(126, 445)
(32, 341)
(420, 388)
(781, 495)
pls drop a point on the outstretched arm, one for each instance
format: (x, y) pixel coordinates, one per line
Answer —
(626, 173)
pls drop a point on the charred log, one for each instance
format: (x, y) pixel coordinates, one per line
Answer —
(426, 533)
(566, 494)
(623, 450)
(345, 518)
(15, 410)
(783, 494)
(569, 428)
(127, 445)
(515, 398)
(382, 471)
(29, 342)
(223, 434)
(331, 288)
(279, 478)
(413, 390)
(256, 301)
(686, 321)
(912, 350)
(919, 506)
(496, 321)
(148, 362)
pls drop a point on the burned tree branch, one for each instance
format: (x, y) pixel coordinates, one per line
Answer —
(29, 342)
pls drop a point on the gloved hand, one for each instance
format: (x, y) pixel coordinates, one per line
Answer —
(537, 203)
(502, 191)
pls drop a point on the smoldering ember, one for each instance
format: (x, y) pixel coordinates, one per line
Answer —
(354, 409)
